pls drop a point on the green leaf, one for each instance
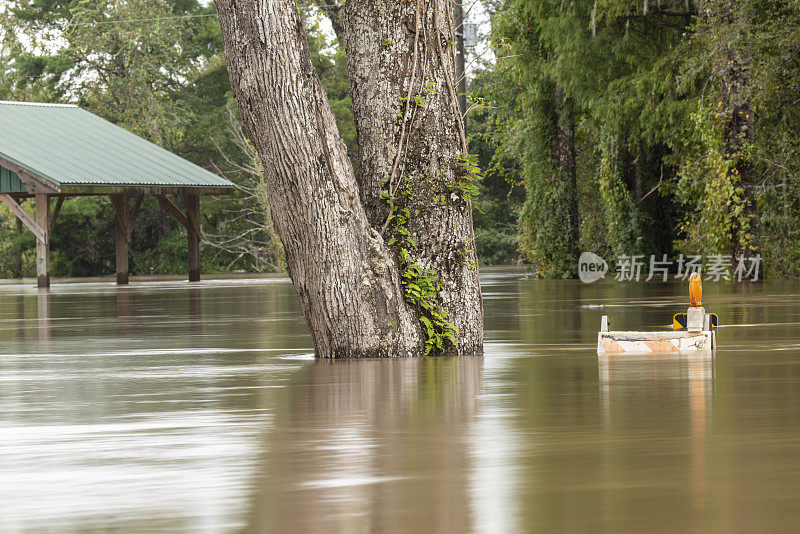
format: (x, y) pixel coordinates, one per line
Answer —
(451, 338)
(428, 325)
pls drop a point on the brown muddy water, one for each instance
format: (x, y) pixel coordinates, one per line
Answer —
(167, 406)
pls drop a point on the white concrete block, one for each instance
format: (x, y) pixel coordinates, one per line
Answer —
(695, 317)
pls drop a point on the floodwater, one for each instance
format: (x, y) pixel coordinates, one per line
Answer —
(168, 406)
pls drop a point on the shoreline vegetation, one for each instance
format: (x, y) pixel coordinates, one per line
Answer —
(620, 128)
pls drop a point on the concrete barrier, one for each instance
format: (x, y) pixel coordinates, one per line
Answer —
(649, 342)
(699, 336)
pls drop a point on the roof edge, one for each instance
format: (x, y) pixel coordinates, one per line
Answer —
(32, 180)
(99, 189)
(42, 104)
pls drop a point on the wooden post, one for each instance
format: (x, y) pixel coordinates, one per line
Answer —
(19, 253)
(191, 221)
(43, 245)
(192, 203)
(121, 235)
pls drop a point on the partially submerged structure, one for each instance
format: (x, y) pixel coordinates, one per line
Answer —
(697, 336)
(702, 341)
(54, 151)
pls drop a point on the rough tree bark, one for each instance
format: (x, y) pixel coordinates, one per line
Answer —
(347, 278)
(401, 62)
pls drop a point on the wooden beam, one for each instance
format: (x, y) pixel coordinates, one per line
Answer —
(56, 211)
(119, 203)
(33, 182)
(121, 233)
(191, 221)
(42, 246)
(100, 189)
(192, 203)
(81, 190)
(167, 205)
(23, 216)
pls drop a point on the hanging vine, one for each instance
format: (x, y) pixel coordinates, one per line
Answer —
(422, 286)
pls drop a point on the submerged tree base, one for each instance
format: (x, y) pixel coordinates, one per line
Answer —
(361, 295)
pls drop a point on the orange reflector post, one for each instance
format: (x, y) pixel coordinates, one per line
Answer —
(695, 290)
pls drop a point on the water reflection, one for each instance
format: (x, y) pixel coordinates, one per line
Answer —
(123, 311)
(636, 379)
(371, 446)
(196, 310)
(43, 313)
(588, 443)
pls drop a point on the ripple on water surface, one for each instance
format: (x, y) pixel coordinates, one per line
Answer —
(167, 406)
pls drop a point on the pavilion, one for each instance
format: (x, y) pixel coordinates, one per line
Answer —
(54, 151)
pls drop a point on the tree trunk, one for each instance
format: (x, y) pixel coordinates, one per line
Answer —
(348, 286)
(412, 150)
(732, 62)
(739, 133)
(347, 279)
(564, 157)
(550, 230)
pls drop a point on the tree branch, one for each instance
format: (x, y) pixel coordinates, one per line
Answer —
(332, 9)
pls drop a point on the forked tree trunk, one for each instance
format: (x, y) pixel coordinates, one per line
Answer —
(347, 278)
(347, 282)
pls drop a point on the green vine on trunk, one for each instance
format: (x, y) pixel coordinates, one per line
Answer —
(420, 286)
(467, 176)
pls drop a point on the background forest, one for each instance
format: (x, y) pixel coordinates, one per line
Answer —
(615, 126)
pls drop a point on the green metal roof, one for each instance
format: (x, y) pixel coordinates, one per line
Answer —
(76, 151)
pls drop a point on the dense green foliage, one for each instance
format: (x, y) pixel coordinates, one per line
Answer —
(685, 125)
(614, 126)
(154, 67)
(497, 204)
